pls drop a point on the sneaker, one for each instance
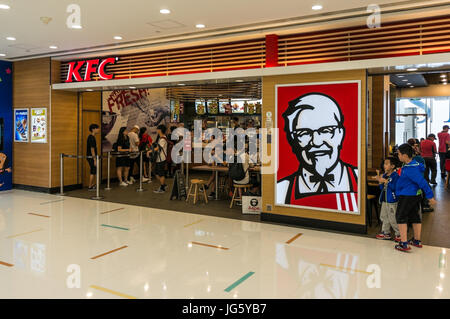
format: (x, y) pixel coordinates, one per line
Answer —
(159, 191)
(92, 188)
(402, 246)
(383, 236)
(433, 183)
(415, 243)
(212, 195)
(397, 239)
(123, 184)
(428, 209)
(132, 180)
(145, 179)
(129, 182)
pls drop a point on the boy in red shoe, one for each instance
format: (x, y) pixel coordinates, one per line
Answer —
(388, 199)
(408, 189)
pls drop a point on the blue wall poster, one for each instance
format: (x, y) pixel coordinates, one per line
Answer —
(21, 121)
(6, 125)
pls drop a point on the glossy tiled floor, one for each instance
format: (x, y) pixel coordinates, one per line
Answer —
(154, 253)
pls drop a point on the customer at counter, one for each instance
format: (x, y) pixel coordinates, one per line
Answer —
(145, 141)
(161, 158)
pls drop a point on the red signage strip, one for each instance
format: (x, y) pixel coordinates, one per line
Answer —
(271, 50)
(91, 66)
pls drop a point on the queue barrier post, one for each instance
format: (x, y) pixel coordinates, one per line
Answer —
(140, 189)
(108, 180)
(97, 197)
(61, 168)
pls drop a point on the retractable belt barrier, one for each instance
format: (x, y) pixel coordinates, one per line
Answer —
(98, 169)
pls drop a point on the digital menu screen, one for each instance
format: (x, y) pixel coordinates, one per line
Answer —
(200, 107)
(225, 107)
(213, 107)
(237, 106)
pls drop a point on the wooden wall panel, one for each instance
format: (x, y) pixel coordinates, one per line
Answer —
(376, 117)
(31, 88)
(268, 180)
(64, 136)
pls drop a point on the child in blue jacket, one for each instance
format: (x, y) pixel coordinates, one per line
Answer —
(408, 189)
(388, 199)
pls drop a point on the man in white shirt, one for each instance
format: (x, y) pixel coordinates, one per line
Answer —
(134, 148)
(161, 158)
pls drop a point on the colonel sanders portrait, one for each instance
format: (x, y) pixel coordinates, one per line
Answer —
(314, 127)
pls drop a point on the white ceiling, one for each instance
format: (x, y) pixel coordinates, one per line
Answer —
(132, 19)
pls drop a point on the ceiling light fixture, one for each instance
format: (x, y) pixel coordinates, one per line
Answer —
(317, 7)
(164, 11)
(408, 83)
(401, 76)
(77, 26)
(2, 54)
(405, 80)
(132, 87)
(4, 7)
(239, 81)
(11, 38)
(200, 26)
(53, 47)
(443, 75)
(89, 90)
(411, 86)
(181, 84)
(118, 37)
(411, 69)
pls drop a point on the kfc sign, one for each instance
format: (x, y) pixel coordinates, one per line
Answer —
(91, 66)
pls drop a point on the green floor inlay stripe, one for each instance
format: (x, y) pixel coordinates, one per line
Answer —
(115, 227)
(240, 281)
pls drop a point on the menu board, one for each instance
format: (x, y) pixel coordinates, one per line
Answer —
(200, 107)
(39, 125)
(21, 125)
(238, 106)
(213, 107)
(225, 107)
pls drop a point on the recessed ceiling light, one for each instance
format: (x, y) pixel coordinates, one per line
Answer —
(89, 90)
(2, 54)
(4, 7)
(53, 47)
(132, 87)
(200, 26)
(405, 80)
(317, 7)
(77, 26)
(401, 76)
(11, 38)
(118, 37)
(411, 69)
(239, 81)
(181, 84)
(411, 86)
(443, 75)
(164, 11)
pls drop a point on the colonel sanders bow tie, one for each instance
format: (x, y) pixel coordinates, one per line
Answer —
(323, 188)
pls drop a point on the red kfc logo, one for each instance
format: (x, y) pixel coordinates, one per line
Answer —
(92, 66)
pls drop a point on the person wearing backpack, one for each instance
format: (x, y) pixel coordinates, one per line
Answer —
(160, 151)
(145, 141)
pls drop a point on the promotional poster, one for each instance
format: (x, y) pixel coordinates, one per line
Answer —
(144, 108)
(319, 134)
(21, 121)
(39, 125)
(6, 126)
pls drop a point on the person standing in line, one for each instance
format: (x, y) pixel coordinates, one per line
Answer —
(428, 149)
(409, 184)
(161, 158)
(123, 162)
(444, 145)
(134, 149)
(388, 199)
(145, 141)
(91, 150)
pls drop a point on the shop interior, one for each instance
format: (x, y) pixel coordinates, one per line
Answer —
(408, 103)
(217, 105)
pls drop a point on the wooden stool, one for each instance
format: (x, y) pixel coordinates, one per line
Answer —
(223, 184)
(372, 199)
(193, 190)
(238, 198)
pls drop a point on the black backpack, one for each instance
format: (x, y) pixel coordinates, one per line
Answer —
(236, 170)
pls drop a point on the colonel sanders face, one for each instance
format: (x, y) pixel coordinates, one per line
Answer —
(315, 131)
